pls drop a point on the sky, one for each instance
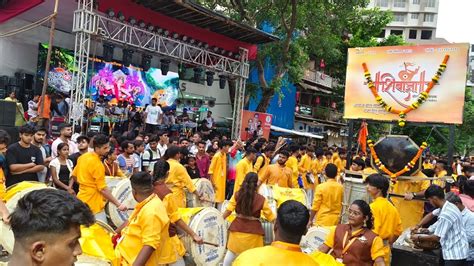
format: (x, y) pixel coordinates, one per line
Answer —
(456, 21)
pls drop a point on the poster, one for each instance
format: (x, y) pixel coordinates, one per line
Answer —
(400, 74)
(119, 83)
(61, 68)
(255, 124)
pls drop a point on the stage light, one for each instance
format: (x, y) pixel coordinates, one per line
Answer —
(165, 66)
(127, 57)
(110, 13)
(141, 24)
(222, 80)
(197, 74)
(159, 30)
(223, 52)
(166, 33)
(175, 35)
(211, 103)
(150, 27)
(215, 49)
(237, 56)
(206, 45)
(209, 78)
(120, 16)
(199, 44)
(185, 38)
(108, 52)
(192, 41)
(132, 21)
(146, 61)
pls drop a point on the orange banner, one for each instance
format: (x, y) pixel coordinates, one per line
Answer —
(400, 74)
(255, 124)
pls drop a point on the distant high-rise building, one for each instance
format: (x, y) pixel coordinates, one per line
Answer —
(470, 68)
(415, 20)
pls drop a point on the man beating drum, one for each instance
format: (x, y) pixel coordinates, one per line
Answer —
(46, 225)
(90, 174)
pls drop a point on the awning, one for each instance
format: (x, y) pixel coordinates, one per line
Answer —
(294, 132)
(314, 88)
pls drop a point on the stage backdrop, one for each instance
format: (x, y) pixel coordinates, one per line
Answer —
(255, 124)
(400, 74)
(61, 68)
(116, 82)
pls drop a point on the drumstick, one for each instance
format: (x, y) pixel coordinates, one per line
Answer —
(211, 244)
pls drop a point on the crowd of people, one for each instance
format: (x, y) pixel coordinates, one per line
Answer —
(161, 169)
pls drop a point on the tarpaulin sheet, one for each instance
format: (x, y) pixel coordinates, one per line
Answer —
(15, 7)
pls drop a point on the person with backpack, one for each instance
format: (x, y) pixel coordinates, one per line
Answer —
(151, 155)
(263, 160)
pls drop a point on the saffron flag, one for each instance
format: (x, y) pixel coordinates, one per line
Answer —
(362, 139)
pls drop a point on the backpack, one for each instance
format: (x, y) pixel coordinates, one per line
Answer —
(264, 162)
(151, 156)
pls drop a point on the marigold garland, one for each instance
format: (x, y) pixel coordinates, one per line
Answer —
(408, 167)
(402, 114)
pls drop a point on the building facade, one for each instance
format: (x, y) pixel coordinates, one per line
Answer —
(415, 20)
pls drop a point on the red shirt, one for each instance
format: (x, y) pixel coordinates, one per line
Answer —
(203, 162)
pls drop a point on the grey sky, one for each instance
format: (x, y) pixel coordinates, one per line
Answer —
(456, 21)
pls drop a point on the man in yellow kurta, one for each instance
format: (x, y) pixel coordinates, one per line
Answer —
(440, 171)
(387, 222)
(244, 167)
(427, 164)
(318, 164)
(411, 211)
(263, 160)
(328, 198)
(290, 226)
(90, 174)
(336, 160)
(218, 170)
(304, 168)
(278, 174)
(147, 230)
(292, 163)
(178, 178)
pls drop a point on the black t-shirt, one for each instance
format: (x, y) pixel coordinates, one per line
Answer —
(17, 154)
(193, 173)
(74, 157)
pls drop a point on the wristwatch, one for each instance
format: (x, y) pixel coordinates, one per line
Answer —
(413, 194)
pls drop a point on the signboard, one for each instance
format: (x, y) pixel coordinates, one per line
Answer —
(400, 74)
(255, 124)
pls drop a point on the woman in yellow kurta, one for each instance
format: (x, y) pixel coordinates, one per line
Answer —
(387, 222)
(218, 170)
(173, 249)
(246, 231)
(178, 178)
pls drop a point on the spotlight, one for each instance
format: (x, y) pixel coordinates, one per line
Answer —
(209, 78)
(215, 49)
(230, 54)
(150, 27)
(165, 66)
(108, 52)
(211, 103)
(127, 57)
(120, 16)
(197, 74)
(206, 46)
(110, 13)
(142, 24)
(237, 56)
(199, 44)
(223, 52)
(159, 30)
(175, 35)
(222, 80)
(192, 41)
(185, 38)
(166, 33)
(132, 21)
(146, 61)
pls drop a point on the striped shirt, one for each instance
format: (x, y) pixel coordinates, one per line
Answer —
(449, 228)
(468, 222)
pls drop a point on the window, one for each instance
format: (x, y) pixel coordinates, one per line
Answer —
(399, 17)
(472, 48)
(396, 32)
(381, 3)
(414, 15)
(416, 2)
(413, 34)
(426, 34)
(429, 18)
(382, 35)
(431, 3)
(399, 3)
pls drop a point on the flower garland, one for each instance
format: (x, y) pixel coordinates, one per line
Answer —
(402, 114)
(408, 167)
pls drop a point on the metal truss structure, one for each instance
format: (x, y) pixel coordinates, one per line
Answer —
(88, 22)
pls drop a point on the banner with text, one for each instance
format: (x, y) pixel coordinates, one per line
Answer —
(400, 74)
(255, 124)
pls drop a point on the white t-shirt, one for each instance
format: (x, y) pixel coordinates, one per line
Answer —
(152, 114)
(209, 122)
(54, 147)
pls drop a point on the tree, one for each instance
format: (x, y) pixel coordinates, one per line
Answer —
(317, 28)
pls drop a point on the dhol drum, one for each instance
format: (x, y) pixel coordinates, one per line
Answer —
(282, 194)
(313, 239)
(112, 181)
(266, 191)
(354, 189)
(84, 260)
(123, 193)
(208, 224)
(204, 187)
(18, 190)
(96, 244)
(7, 240)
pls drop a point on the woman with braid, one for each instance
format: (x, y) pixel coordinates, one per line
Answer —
(246, 231)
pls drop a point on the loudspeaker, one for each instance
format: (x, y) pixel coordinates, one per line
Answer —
(13, 132)
(26, 88)
(3, 82)
(7, 113)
